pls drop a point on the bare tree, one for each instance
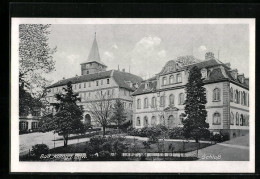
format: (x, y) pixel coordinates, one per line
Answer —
(101, 108)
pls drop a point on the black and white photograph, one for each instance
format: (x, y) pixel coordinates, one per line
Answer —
(132, 95)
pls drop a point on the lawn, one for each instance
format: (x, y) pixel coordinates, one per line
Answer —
(178, 147)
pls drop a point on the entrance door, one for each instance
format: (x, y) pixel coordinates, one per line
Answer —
(87, 119)
(172, 122)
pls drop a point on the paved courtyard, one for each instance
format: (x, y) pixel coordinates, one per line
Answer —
(233, 150)
(28, 140)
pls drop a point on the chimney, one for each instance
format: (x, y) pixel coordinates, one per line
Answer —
(234, 73)
(247, 81)
(209, 56)
(241, 77)
(123, 70)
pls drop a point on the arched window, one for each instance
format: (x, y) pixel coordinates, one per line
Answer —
(238, 97)
(153, 102)
(171, 79)
(216, 94)
(138, 121)
(231, 118)
(181, 117)
(231, 94)
(162, 121)
(241, 120)
(171, 99)
(145, 103)
(145, 121)
(138, 104)
(179, 78)
(153, 122)
(181, 98)
(164, 80)
(244, 98)
(237, 119)
(216, 118)
(162, 101)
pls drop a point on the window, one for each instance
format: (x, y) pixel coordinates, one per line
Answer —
(231, 94)
(241, 120)
(162, 121)
(79, 86)
(216, 94)
(237, 119)
(34, 125)
(244, 98)
(236, 96)
(138, 121)
(108, 92)
(164, 81)
(179, 78)
(138, 104)
(85, 96)
(171, 99)
(153, 122)
(107, 81)
(181, 98)
(75, 86)
(162, 101)
(124, 92)
(87, 72)
(101, 82)
(231, 118)
(146, 121)
(171, 79)
(89, 84)
(181, 118)
(97, 83)
(216, 118)
(84, 85)
(145, 103)
(153, 102)
(130, 105)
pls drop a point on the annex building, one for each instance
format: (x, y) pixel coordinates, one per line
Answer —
(160, 100)
(94, 83)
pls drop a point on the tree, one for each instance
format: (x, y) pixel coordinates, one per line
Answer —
(35, 60)
(119, 114)
(195, 125)
(68, 118)
(101, 108)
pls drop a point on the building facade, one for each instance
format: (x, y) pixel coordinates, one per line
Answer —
(96, 81)
(160, 100)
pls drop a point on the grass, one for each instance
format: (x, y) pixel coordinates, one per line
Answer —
(178, 147)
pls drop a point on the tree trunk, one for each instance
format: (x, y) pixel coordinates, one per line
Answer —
(197, 140)
(65, 139)
(104, 131)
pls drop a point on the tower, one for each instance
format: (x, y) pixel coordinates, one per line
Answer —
(94, 63)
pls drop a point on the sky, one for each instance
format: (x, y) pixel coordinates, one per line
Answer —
(144, 49)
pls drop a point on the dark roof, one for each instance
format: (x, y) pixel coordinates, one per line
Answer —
(120, 78)
(142, 90)
(214, 76)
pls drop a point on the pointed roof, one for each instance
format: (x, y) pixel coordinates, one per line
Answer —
(94, 53)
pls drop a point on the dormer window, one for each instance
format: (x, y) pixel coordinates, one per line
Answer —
(164, 81)
(171, 79)
(204, 73)
(179, 78)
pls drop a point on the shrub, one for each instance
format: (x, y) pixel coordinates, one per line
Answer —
(217, 138)
(153, 139)
(176, 133)
(39, 149)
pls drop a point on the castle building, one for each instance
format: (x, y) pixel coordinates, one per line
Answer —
(96, 79)
(160, 100)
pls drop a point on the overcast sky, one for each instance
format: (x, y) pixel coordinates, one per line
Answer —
(146, 48)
